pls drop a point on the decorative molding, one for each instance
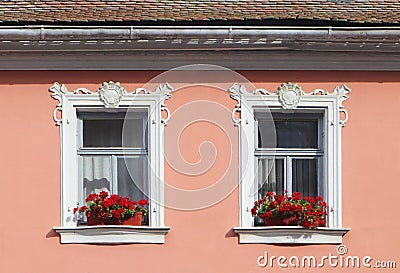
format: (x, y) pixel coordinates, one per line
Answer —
(235, 90)
(141, 91)
(319, 92)
(112, 234)
(166, 90)
(342, 92)
(81, 91)
(110, 94)
(58, 92)
(289, 235)
(262, 92)
(289, 96)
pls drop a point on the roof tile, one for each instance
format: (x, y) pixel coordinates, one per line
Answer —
(383, 11)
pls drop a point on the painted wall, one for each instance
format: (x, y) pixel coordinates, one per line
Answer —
(199, 240)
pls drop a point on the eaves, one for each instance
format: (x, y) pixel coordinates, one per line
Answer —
(162, 48)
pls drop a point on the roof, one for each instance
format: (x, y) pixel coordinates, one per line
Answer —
(94, 11)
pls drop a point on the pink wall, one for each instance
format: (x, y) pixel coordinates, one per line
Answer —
(200, 240)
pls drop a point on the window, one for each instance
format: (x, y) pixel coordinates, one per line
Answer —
(111, 140)
(290, 140)
(108, 163)
(292, 157)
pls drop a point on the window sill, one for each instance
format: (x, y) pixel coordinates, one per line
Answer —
(111, 234)
(289, 235)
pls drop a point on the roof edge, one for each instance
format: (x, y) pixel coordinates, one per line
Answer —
(48, 33)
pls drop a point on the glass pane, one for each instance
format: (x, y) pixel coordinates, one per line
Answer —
(266, 134)
(106, 129)
(97, 174)
(270, 176)
(292, 131)
(132, 179)
(305, 176)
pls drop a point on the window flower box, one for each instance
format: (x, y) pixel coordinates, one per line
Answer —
(291, 210)
(105, 209)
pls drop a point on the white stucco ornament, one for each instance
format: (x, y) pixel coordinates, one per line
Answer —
(289, 95)
(111, 93)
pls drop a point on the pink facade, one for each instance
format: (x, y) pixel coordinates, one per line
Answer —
(199, 240)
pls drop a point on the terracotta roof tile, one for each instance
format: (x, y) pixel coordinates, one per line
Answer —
(383, 11)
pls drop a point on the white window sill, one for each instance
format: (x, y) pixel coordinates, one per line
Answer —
(289, 235)
(111, 234)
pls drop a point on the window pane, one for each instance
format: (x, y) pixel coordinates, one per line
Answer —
(132, 183)
(97, 174)
(270, 176)
(305, 176)
(106, 130)
(292, 131)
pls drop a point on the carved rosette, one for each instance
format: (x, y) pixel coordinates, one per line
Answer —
(111, 93)
(289, 95)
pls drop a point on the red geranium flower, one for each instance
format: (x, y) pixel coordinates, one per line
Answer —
(306, 211)
(103, 194)
(112, 206)
(142, 202)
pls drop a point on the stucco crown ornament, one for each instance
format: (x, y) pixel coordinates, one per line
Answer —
(111, 93)
(289, 95)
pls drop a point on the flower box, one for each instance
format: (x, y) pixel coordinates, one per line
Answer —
(105, 209)
(291, 210)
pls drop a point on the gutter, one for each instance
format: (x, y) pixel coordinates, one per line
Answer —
(50, 33)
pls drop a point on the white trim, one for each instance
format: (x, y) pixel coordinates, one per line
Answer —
(81, 98)
(289, 235)
(112, 234)
(318, 101)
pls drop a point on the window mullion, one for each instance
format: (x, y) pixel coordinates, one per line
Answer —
(81, 197)
(289, 174)
(106, 151)
(114, 172)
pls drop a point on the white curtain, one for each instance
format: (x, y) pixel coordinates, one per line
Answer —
(97, 174)
(266, 177)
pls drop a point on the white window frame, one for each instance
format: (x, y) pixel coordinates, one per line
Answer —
(110, 95)
(290, 96)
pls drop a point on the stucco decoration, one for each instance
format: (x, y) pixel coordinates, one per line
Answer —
(58, 92)
(342, 93)
(289, 96)
(236, 90)
(166, 91)
(110, 94)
